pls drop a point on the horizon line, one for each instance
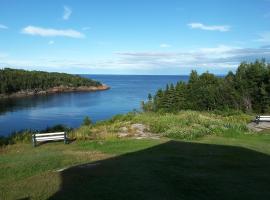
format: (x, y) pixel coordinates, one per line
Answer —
(146, 74)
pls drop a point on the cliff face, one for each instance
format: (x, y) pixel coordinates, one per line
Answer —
(58, 89)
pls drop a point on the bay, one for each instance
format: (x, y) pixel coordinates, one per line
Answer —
(39, 112)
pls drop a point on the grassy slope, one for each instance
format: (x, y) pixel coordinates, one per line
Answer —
(229, 164)
(173, 170)
(32, 172)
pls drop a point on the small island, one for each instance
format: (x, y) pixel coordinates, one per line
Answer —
(21, 83)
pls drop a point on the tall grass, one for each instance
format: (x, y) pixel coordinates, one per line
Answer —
(183, 125)
(193, 124)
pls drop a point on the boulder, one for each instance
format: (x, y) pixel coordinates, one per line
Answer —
(138, 131)
(258, 127)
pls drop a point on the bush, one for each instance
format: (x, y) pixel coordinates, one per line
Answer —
(87, 121)
(57, 128)
(82, 133)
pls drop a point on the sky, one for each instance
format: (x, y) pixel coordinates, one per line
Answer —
(159, 37)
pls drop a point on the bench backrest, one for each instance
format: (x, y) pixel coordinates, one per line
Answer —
(263, 118)
(40, 137)
(50, 136)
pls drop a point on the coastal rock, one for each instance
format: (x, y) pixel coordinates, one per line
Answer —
(120, 135)
(52, 90)
(137, 131)
(140, 128)
(124, 129)
(123, 132)
(258, 127)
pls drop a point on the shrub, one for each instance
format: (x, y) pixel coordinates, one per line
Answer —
(87, 121)
(56, 128)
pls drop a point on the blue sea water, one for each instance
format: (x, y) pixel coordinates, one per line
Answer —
(39, 112)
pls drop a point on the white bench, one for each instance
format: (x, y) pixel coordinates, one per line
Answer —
(42, 137)
(262, 119)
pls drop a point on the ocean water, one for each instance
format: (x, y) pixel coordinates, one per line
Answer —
(39, 112)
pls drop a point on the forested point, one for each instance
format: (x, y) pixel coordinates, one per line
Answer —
(15, 80)
(248, 90)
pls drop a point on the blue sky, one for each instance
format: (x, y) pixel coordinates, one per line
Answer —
(133, 36)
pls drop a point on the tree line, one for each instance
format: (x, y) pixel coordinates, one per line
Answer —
(14, 80)
(248, 90)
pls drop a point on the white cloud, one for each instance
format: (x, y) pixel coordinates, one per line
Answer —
(221, 28)
(164, 45)
(51, 42)
(2, 26)
(264, 37)
(217, 59)
(222, 56)
(49, 32)
(67, 13)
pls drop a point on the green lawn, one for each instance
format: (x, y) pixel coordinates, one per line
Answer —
(212, 167)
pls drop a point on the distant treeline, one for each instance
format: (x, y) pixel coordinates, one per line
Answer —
(14, 80)
(248, 89)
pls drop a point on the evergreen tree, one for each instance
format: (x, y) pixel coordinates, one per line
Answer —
(248, 90)
(14, 80)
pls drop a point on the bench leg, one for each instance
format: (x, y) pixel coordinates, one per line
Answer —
(34, 141)
(257, 120)
(65, 138)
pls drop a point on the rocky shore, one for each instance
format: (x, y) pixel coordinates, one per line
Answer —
(59, 89)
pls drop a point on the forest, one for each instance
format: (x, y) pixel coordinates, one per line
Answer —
(14, 80)
(248, 90)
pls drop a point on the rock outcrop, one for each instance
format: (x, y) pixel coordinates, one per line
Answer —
(59, 89)
(137, 131)
(261, 126)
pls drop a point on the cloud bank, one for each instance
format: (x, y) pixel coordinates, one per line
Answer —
(219, 59)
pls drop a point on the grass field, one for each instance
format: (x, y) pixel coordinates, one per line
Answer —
(211, 167)
(201, 155)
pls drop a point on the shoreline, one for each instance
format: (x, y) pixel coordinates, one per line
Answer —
(54, 90)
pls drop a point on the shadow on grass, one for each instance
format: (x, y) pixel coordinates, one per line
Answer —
(173, 170)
